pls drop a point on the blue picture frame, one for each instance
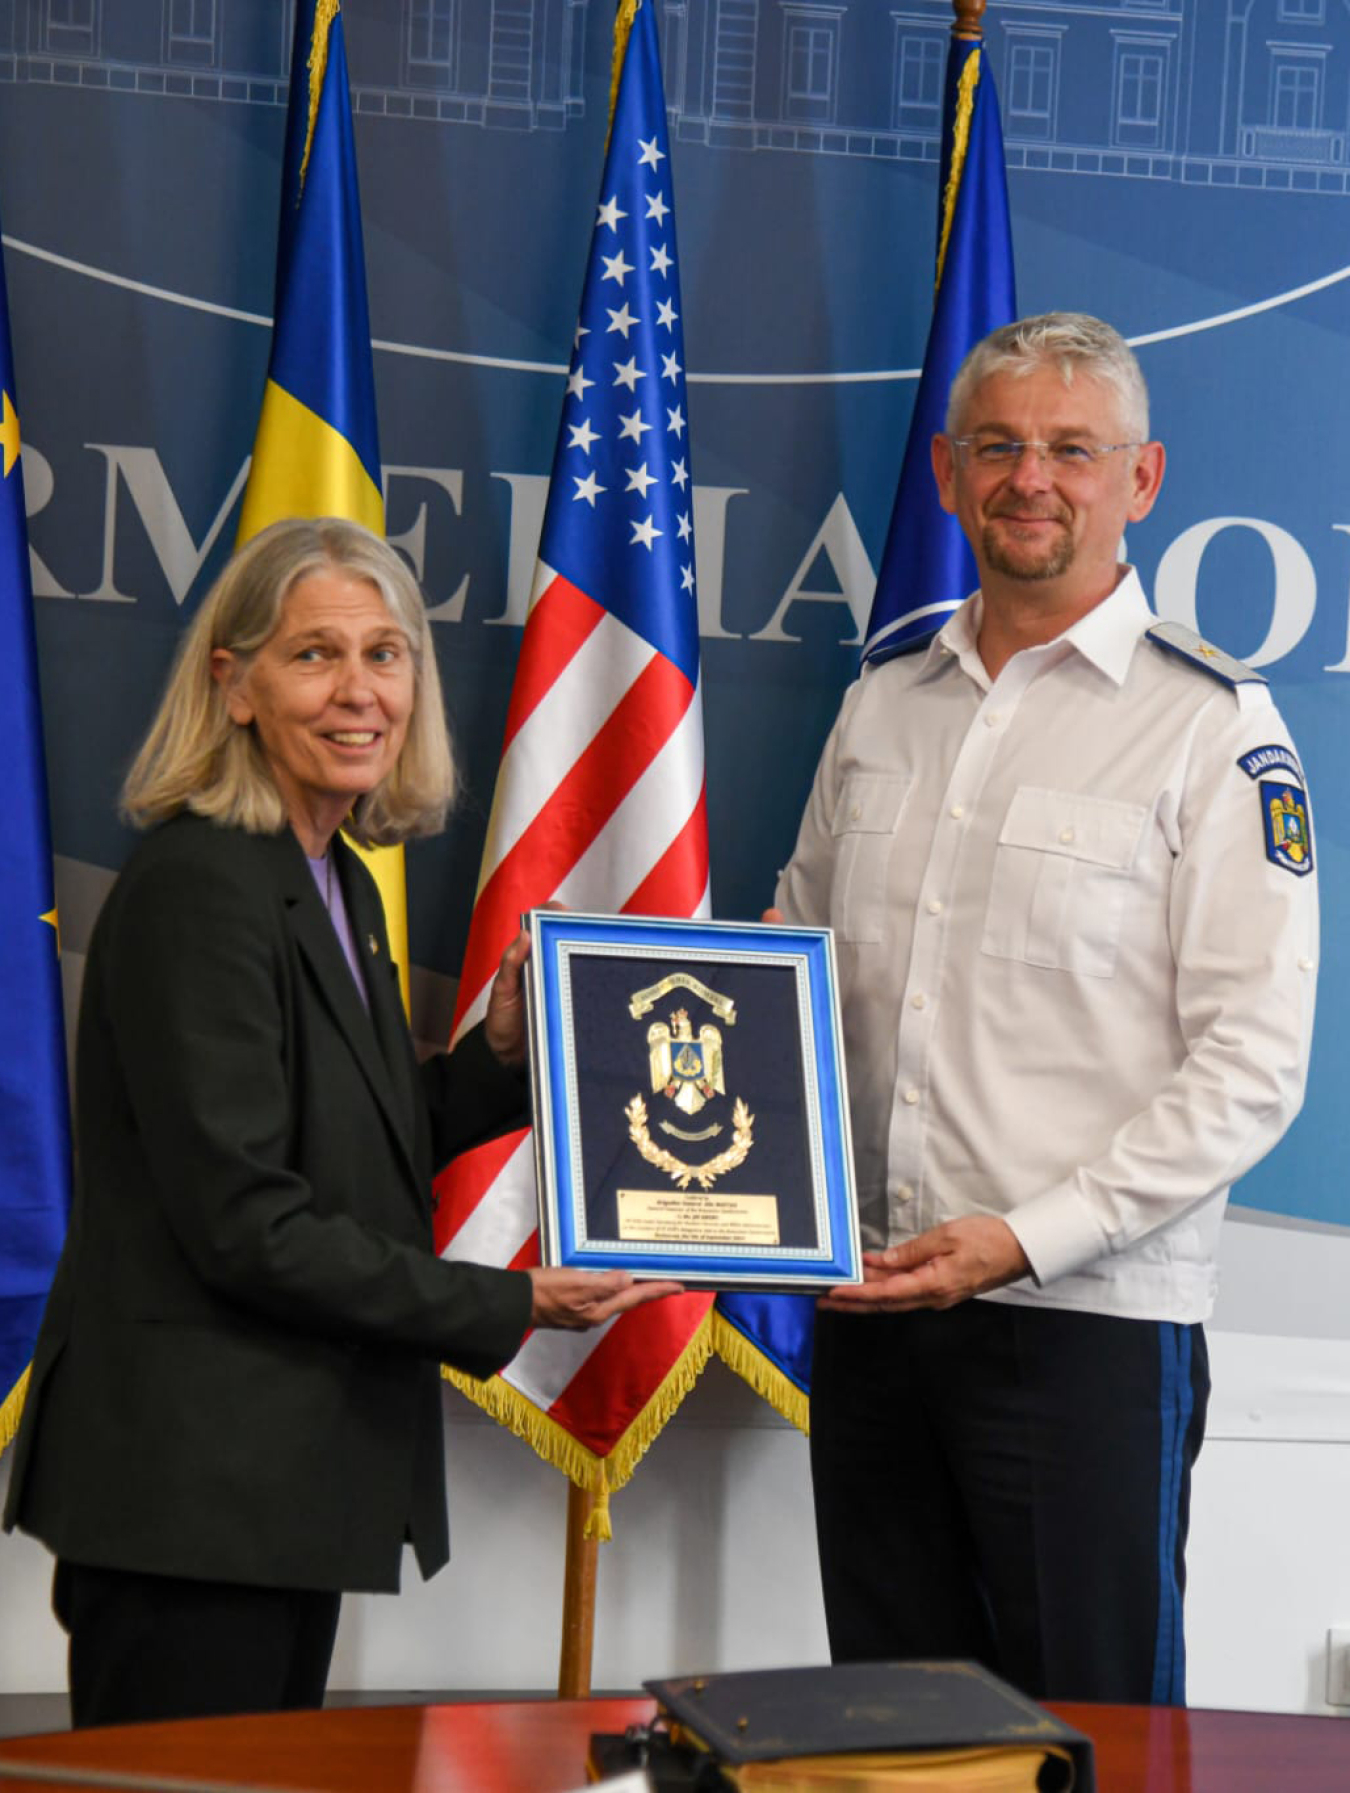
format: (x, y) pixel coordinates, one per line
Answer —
(691, 1104)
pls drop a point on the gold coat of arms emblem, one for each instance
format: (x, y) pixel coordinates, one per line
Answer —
(686, 1069)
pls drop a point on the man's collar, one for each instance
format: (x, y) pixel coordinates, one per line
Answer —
(1106, 636)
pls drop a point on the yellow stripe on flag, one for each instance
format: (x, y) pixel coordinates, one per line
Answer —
(386, 867)
(302, 467)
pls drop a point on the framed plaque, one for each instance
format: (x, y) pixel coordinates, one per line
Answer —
(691, 1113)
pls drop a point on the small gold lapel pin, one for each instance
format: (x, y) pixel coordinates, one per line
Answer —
(374, 945)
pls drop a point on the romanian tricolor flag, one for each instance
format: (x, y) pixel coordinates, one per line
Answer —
(34, 1117)
(317, 451)
(927, 567)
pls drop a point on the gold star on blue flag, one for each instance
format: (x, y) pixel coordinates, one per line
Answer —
(34, 1115)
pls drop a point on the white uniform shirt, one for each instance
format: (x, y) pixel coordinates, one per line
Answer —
(1077, 986)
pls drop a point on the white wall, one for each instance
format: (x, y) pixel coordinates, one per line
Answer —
(712, 1564)
(713, 1561)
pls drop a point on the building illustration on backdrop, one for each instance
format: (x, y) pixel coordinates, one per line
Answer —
(514, 64)
(1238, 93)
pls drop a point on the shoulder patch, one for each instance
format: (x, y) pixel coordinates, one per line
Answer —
(1185, 644)
(1276, 756)
(1288, 830)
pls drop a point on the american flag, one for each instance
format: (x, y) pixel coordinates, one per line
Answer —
(600, 794)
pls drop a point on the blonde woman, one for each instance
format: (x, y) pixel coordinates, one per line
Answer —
(234, 1412)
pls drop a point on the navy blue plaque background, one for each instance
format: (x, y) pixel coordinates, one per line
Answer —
(1179, 166)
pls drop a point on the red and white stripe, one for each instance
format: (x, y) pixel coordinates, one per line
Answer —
(599, 805)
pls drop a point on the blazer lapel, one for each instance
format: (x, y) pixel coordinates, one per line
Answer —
(371, 936)
(319, 945)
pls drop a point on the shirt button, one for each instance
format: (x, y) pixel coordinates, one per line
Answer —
(956, 811)
(918, 1000)
(911, 1098)
(855, 814)
(934, 906)
(904, 1193)
(993, 718)
(1066, 835)
(1305, 964)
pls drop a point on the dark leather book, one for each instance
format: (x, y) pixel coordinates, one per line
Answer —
(872, 1725)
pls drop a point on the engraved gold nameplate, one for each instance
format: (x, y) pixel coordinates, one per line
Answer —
(697, 1219)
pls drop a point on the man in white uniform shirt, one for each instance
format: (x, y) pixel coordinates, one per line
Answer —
(1068, 858)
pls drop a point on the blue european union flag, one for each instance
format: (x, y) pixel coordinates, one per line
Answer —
(34, 1117)
(927, 567)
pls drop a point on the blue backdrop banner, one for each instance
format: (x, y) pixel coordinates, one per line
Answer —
(1181, 170)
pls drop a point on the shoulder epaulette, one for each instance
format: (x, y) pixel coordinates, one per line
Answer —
(1185, 644)
(914, 644)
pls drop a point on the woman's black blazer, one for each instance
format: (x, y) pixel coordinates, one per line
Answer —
(237, 1373)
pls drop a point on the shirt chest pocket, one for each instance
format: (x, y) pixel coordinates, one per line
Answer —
(865, 820)
(1063, 869)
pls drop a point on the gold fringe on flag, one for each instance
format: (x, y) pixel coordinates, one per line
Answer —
(324, 14)
(549, 1440)
(623, 24)
(598, 1525)
(965, 107)
(765, 1377)
(10, 1410)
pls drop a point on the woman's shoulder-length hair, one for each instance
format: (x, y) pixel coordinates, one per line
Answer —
(194, 757)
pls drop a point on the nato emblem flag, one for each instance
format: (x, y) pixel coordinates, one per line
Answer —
(927, 567)
(34, 1128)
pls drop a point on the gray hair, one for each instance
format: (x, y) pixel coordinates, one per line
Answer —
(1072, 343)
(195, 757)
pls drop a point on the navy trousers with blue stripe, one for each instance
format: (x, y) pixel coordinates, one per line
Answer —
(1010, 1484)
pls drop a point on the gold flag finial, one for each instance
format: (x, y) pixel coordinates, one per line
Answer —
(317, 63)
(623, 25)
(965, 107)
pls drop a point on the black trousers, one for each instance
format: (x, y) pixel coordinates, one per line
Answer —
(148, 1647)
(1010, 1484)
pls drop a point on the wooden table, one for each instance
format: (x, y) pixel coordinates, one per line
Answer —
(539, 1746)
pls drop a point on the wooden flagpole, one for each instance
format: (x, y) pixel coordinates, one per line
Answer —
(578, 1626)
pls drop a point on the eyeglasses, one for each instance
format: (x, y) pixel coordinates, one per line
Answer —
(994, 454)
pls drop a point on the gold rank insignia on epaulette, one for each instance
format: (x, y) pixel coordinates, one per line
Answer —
(1176, 638)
